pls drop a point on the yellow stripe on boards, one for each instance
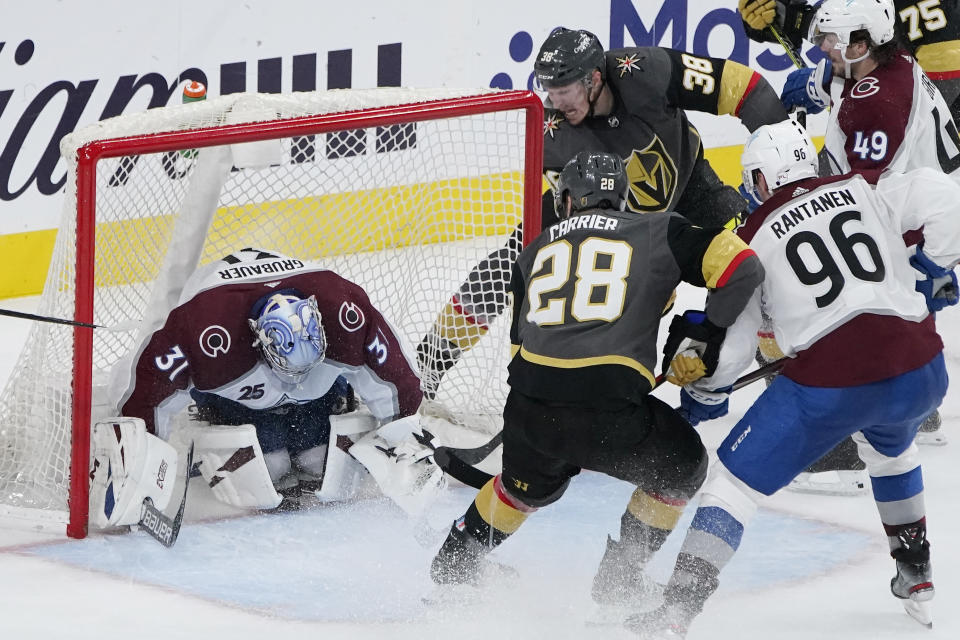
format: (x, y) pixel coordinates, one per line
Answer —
(24, 260)
(308, 228)
(25, 257)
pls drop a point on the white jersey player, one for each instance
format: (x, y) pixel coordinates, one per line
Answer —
(268, 347)
(889, 114)
(856, 319)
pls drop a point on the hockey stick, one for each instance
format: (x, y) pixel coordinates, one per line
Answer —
(127, 325)
(459, 468)
(33, 316)
(160, 527)
(794, 55)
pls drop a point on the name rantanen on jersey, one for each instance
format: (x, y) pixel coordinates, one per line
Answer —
(806, 209)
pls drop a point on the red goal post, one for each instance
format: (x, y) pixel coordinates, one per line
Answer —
(342, 178)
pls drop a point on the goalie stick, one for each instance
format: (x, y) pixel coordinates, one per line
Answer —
(160, 527)
(458, 463)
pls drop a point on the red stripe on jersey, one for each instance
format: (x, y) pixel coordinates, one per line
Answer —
(472, 319)
(754, 79)
(737, 259)
(943, 75)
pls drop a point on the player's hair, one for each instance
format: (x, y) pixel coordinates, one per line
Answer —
(882, 54)
(593, 180)
(289, 333)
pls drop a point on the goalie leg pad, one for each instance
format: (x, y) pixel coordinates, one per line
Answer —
(234, 466)
(343, 476)
(129, 466)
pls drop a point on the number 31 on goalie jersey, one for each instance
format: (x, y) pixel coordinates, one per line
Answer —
(592, 292)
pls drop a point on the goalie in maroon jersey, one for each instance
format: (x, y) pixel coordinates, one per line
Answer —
(270, 341)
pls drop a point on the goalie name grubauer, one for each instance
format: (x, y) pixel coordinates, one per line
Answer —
(268, 348)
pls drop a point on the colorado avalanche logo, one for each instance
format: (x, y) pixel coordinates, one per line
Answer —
(214, 340)
(865, 88)
(627, 64)
(351, 317)
(552, 123)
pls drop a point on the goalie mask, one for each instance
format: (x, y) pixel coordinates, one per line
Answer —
(782, 152)
(290, 336)
(837, 20)
(593, 180)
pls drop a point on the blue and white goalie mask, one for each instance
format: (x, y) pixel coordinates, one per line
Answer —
(290, 336)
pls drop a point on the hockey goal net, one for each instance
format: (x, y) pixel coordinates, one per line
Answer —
(402, 191)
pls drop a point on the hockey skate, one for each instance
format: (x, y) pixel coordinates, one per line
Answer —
(621, 586)
(462, 560)
(666, 622)
(913, 584)
(832, 483)
(930, 432)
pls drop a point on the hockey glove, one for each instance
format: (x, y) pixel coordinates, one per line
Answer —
(752, 202)
(940, 285)
(692, 349)
(697, 406)
(759, 14)
(808, 88)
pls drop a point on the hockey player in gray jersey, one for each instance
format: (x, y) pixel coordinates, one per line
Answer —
(588, 296)
(631, 102)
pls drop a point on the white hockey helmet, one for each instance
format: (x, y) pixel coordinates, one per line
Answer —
(843, 17)
(782, 152)
(289, 332)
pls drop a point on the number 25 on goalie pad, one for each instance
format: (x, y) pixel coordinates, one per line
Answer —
(129, 465)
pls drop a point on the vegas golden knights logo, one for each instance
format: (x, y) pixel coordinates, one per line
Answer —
(653, 178)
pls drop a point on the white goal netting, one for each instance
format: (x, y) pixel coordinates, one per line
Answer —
(402, 191)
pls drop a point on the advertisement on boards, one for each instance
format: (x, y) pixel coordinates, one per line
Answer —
(67, 64)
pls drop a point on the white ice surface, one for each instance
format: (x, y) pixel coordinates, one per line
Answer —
(809, 566)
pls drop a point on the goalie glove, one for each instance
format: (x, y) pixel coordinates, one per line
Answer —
(939, 287)
(402, 467)
(129, 466)
(692, 350)
(808, 88)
